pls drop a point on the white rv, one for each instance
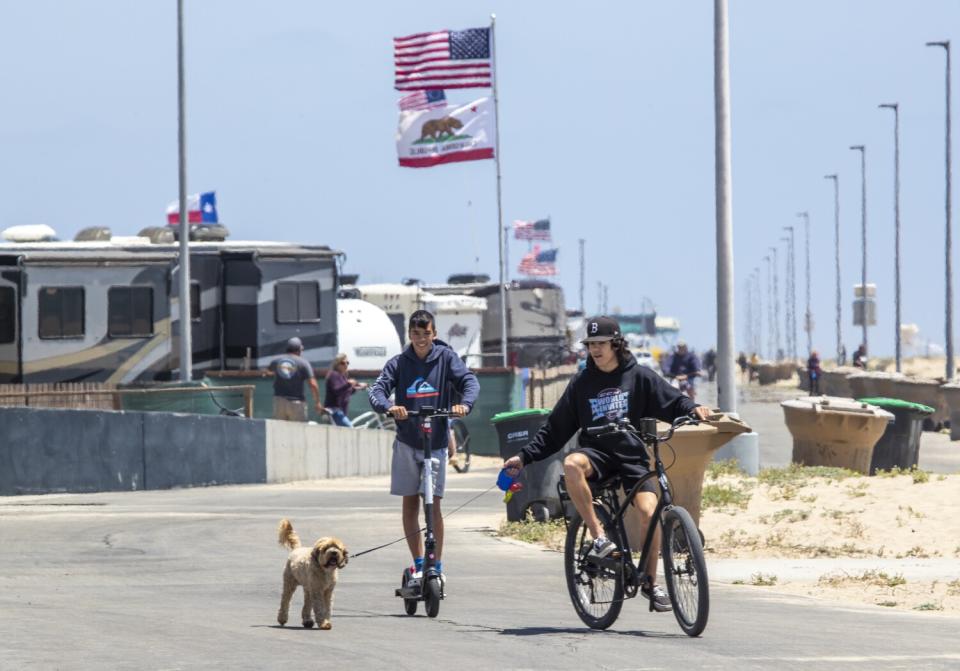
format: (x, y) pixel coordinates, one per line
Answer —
(365, 334)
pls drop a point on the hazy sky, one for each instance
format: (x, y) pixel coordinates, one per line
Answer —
(606, 118)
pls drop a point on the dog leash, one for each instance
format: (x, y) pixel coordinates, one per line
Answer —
(421, 529)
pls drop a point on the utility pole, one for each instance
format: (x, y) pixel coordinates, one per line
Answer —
(758, 338)
(792, 292)
(771, 322)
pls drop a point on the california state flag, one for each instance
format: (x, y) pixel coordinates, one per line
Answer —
(454, 133)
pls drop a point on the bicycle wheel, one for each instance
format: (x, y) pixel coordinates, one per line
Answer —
(431, 597)
(596, 592)
(686, 571)
(461, 459)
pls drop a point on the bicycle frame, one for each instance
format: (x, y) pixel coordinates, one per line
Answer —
(665, 501)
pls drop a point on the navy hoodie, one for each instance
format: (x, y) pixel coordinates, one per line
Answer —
(594, 398)
(419, 382)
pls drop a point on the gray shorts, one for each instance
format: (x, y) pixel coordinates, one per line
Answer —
(405, 470)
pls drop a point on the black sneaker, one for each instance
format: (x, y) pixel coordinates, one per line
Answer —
(659, 598)
(602, 547)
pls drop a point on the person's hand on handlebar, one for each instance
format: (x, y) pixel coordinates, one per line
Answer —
(460, 410)
(702, 412)
(513, 465)
(398, 412)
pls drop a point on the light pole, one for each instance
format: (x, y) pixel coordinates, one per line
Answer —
(776, 308)
(186, 325)
(949, 312)
(771, 344)
(863, 236)
(582, 277)
(791, 293)
(758, 338)
(836, 260)
(896, 226)
(726, 379)
(807, 315)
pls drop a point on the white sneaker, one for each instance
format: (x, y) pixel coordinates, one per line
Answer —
(602, 546)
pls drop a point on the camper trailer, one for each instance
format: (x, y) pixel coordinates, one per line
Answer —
(459, 318)
(107, 310)
(365, 334)
(536, 319)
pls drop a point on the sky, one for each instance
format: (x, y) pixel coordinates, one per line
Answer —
(606, 126)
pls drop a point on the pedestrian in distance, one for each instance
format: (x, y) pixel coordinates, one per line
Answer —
(860, 357)
(339, 390)
(426, 373)
(710, 363)
(744, 366)
(814, 372)
(611, 387)
(290, 371)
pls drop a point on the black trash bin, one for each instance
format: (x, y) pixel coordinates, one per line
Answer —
(900, 444)
(539, 494)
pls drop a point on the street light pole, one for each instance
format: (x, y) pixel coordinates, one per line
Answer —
(896, 227)
(836, 258)
(771, 344)
(186, 325)
(807, 315)
(726, 378)
(791, 293)
(758, 338)
(863, 233)
(776, 308)
(948, 243)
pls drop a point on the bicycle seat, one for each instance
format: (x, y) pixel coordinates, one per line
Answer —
(611, 482)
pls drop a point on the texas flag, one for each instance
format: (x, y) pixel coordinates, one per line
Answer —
(201, 209)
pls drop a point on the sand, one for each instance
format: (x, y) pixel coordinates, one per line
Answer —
(902, 533)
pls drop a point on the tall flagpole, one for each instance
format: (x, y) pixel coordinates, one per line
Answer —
(496, 115)
(186, 348)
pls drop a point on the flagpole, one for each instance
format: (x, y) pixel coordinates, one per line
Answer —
(186, 348)
(496, 115)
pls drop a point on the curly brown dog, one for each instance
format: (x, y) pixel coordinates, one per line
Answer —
(314, 569)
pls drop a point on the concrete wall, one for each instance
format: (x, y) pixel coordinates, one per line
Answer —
(62, 450)
(298, 451)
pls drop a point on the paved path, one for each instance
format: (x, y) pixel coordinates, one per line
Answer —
(190, 579)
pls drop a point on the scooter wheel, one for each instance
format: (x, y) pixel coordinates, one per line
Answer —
(409, 605)
(431, 597)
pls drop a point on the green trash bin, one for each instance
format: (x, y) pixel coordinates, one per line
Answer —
(515, 430)
(900, 443)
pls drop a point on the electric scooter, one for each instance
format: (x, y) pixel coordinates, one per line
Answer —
(429, 588)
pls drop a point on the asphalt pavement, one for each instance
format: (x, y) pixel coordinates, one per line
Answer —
(190, 579)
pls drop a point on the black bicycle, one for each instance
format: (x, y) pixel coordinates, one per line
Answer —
(598, 587)
(460, 459)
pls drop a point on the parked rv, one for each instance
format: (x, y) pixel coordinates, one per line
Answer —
(106, 309)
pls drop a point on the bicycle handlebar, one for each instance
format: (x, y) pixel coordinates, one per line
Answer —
(431, 413)
(624, 426)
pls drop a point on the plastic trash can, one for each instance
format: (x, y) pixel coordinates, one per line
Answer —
(900, 443)
(539, 494)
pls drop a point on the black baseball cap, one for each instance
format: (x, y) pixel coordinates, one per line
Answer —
(601, 329)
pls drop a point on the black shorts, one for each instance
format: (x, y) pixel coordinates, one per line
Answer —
(631, 467)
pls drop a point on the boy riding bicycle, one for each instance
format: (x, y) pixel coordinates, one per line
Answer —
(426, 373)
(611, 386)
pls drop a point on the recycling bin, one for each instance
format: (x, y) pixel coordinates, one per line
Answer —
(900, 443)
(515, 430)
(831, 431)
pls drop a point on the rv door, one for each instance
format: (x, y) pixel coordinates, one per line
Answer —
(10, 368)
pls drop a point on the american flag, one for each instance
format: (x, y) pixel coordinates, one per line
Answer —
(448, 59)
(539, 262)
(531, 230)
(423, 100)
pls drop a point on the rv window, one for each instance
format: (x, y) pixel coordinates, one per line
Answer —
(130, 312)
(195, 301)
(297, 302)
(61, 312)
(8, 314)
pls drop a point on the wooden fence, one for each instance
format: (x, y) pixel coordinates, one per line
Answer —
(545, 385)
